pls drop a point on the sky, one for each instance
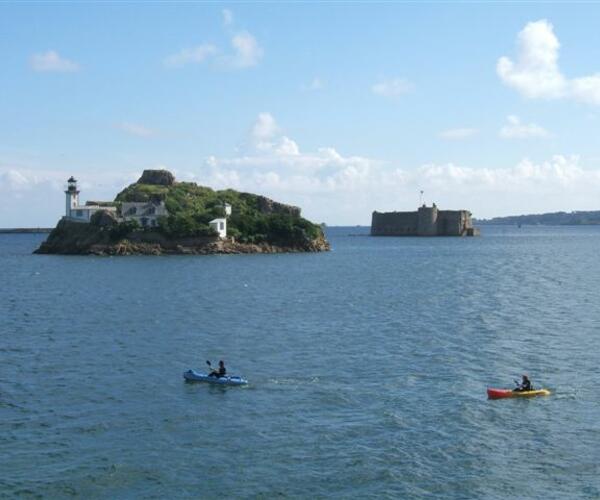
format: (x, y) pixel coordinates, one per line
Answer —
(341, 108)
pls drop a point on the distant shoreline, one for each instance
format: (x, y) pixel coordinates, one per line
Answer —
(25, 230)
(576, 218)
(536, 224)
(46, 230)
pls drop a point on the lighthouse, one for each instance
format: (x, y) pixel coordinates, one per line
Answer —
(72, 196)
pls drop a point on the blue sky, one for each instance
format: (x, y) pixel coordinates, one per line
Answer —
(340, 108)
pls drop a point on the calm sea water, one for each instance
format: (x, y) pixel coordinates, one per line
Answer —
(368, 368)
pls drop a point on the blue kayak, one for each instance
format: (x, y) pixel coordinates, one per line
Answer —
(194, 376)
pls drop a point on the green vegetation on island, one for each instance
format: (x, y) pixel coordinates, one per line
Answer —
(579, 218)
(254, 219)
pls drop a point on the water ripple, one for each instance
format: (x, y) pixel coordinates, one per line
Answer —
(367, 367)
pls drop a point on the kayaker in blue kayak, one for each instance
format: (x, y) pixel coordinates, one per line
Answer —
(525, 385)
(220, 372)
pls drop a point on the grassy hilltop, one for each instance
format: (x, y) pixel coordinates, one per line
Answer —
(254, 219)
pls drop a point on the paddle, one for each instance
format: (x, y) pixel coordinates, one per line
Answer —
(210, 366)
(519, 386)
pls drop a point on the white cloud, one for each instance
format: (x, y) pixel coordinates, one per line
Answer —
(287, 147)
(247, 51)
(34, 197)
(457, 134)
(28, 179)
(227, 17)
(265, 127)
(586, 89)
(536, 73)
(13, 180)
(136, 129)
(193, 55)
(392, 88)
(315, 84)
(52, 61)
(266, 138)
(515, 129)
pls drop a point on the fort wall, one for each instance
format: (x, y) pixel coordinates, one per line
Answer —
(394, 224)
(426, 221)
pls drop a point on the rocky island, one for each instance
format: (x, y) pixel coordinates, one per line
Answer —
(157, 215)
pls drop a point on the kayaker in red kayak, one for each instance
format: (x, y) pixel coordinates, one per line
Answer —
(525, 385)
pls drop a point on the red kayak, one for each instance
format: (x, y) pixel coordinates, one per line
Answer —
(507, 393)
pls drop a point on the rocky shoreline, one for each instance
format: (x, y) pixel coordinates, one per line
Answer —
(127, 247)
(73, 238)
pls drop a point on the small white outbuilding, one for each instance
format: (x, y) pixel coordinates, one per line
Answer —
(220, 226)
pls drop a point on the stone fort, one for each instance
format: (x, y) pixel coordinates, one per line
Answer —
(426, 221)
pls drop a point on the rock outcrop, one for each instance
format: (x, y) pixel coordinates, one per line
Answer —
(157, 178)
(268, 206)
(104, 218)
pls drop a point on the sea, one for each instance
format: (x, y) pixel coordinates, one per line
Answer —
(367, 367)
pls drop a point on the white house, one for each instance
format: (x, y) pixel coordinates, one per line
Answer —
(220, 226)
(80, 213)
(220, 223)
(146, 213)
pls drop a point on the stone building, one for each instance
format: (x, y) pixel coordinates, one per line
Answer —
(426, 221)
(146, 213)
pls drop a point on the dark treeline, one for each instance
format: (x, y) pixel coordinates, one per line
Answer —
(549, 219)
(25, 230)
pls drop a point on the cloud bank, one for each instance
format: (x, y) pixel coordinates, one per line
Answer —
(329, 185)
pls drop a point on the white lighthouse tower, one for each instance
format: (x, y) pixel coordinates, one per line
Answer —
(72, 196)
